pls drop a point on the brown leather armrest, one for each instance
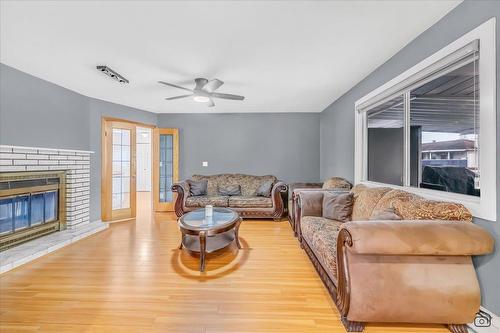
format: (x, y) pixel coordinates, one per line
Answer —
(418, 238)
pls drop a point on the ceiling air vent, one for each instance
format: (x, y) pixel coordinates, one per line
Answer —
(112, 74)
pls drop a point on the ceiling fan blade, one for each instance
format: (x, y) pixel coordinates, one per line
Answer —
(200, 83)
(213, 85)
(210, 103)
(173, 85)
(227, 96)
(177, 97)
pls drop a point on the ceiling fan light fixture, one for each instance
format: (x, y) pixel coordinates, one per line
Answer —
(201, 99)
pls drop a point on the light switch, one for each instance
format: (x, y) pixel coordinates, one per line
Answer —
(205, 164)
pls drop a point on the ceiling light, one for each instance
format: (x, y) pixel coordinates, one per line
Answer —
(201, 99)
(112, 74)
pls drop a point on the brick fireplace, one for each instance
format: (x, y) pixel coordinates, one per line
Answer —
(30, 162)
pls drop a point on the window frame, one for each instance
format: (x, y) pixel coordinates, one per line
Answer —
(484, 206)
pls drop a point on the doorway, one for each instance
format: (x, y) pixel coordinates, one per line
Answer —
(138, 162)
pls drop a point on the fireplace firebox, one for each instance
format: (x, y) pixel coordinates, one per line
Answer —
(32, 204)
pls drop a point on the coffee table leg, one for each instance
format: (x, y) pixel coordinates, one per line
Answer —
(203, 249)
(236, 231)
(182, 239)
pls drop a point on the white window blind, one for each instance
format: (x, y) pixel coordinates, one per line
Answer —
(457, 59)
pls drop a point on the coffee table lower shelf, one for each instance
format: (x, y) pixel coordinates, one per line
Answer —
(213, 243)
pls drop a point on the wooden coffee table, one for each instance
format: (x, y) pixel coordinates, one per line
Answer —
(206, 235)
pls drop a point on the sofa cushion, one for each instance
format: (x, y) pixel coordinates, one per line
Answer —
(248, 183)
(388, 214)
(264, 190)
(338, 206)
(321, 235)
(250, 202)
(336, 183)
(202, 201)
(197, 188)
(365, 200)
(422, 209)
(389, 198)
(229, 190)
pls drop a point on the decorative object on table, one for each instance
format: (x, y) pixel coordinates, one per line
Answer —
(202, 235)
(248, 204)
(209, 209)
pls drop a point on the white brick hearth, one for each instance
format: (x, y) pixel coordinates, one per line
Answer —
(76, 163)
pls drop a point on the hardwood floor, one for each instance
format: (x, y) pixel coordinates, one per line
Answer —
(133, 278)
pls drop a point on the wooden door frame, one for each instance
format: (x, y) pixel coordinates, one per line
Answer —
(106, 168)
(157, 206)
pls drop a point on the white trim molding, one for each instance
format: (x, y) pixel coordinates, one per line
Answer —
(482, 207)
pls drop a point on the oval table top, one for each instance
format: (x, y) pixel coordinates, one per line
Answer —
(220, 219)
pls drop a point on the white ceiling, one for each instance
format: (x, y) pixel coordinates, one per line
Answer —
(283, 56)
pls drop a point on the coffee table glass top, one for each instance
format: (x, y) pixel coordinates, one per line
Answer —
(196, 220)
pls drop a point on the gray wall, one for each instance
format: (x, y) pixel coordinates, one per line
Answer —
(35, 112)
(285, 145)
(337, 121)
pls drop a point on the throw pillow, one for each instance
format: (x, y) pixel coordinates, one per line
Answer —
(338, 206)
(264, 190)
(197, 187)
(229, 190)
(388, 214)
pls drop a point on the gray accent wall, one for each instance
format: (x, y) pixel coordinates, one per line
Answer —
(337, 120)
(34, 112)
(284, 145)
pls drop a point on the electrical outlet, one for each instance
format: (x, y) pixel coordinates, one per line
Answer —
(205, 164)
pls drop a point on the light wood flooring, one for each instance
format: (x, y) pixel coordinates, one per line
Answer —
(133, 278)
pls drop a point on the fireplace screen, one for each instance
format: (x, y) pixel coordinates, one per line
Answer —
(30, 206)
(24, 211)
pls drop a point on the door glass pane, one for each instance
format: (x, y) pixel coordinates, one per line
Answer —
(386, 142)
(445, 130)
(121, 169)
(166, 167)
(6, 217)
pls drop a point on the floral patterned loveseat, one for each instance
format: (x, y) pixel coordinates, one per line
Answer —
(400, 258)
(248, 204)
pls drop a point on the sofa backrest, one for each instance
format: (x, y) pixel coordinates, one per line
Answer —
(249, 183)
(336, 183)
(369, 201)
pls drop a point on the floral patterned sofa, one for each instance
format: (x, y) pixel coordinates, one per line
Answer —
(331, 184)
(414, 266)
(248, 204)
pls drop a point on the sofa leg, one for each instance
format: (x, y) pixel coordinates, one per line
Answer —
(277, 219)
(457, 328)
(352, 326)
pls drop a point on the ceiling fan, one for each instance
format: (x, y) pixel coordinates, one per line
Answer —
(204, 91)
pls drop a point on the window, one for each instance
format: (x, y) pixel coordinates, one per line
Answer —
(423, 130)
